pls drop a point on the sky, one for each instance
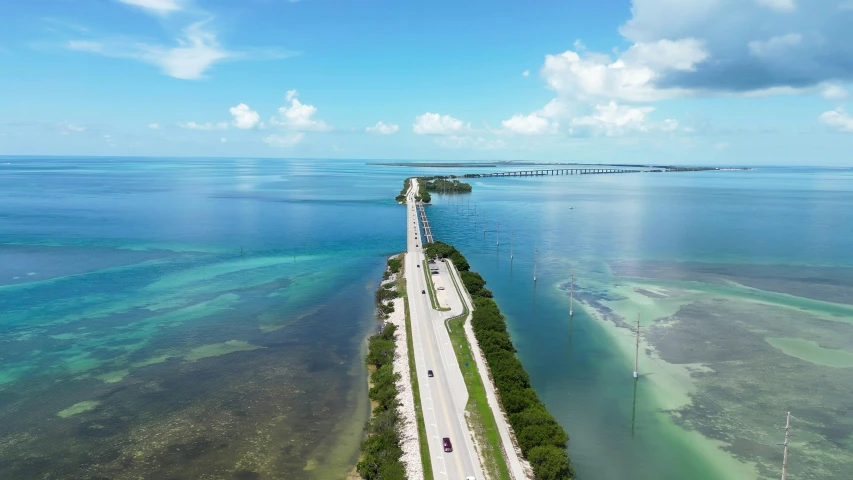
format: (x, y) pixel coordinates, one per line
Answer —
(716, 82)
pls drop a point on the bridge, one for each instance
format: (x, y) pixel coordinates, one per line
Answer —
(425, 223)
(552, 171)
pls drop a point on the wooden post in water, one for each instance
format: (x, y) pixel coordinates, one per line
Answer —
(499, 234)
(511, 238)
(637, 353)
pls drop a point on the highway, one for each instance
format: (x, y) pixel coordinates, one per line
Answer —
(444, 396)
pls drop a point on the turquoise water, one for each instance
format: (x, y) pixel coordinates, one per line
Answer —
(787, 231)
(174, 318)
(205, 318)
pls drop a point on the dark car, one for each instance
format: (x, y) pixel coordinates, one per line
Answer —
(423, 291)
(446, 443)
(429, 373)
(419, 266)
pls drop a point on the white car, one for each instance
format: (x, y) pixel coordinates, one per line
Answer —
(440, 288)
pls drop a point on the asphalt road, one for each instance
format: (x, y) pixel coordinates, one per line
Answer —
(444, 396)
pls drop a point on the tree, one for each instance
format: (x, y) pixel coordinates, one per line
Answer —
(550, 463)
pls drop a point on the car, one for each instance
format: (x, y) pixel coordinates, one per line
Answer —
(440, 288)
(470, 477)
(419, 266)
(429, 373)
(417, 245)
(445, 442)
(423, 291)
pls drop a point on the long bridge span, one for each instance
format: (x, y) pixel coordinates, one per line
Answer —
(553, 171)
(427, 231)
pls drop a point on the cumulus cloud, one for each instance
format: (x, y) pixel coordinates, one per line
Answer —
(613, 119)
(748, 48)
(837, 120)
(154, 126)
(244, 117)
(223, 140)
(437, 124)
(382, 128)
(532, 124)
(299, 116)
(204, 126)
(632, 76)
(287, 140)
(160, 7)
(526, 73)
(834, 92)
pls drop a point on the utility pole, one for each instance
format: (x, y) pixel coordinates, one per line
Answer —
(785, 452)
(572, 295)
(535, 257)
(637, 353)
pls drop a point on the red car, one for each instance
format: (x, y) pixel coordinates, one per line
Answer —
(446, 443)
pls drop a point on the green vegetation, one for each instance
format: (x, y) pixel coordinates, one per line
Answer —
(387, 292)
(401, 198)
(394, 264)
(423, 195)
(480, 415)
(442, 250)
(422, 435)
(445, 185)
(381, 450)
(541, 438)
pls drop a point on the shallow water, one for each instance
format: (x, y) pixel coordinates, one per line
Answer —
(205, 318)
(187, 318)
(721, 266)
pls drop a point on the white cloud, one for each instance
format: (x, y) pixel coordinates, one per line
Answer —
(726, 28)
(834, 92)
(204, 126)
(382, 128)
(837, 120)
(613, 120)
(526, 73)
(244, 117)
(631, 77)
(194, 53)
(284, 141)
(299, 116)
(154, 126)
(779, 45)
(160, 7)
(779, 5)
(437, 124)
(532, 124)
(223, 140)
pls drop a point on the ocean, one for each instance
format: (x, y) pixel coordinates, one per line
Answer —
(206, 318)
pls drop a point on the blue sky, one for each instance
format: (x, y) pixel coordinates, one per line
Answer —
(690, 82)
